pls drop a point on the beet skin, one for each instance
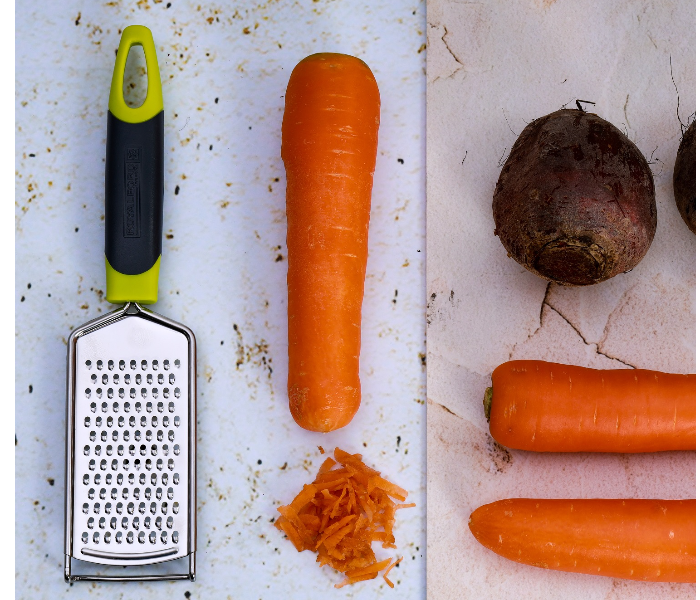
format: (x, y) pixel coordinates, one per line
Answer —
(684, 178)
(575, 200)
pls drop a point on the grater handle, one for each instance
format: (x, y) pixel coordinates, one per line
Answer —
(134, 180)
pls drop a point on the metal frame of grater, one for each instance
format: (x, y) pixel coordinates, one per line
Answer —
(101, 512)
(131, 387)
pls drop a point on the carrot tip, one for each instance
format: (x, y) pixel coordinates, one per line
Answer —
(488, 398)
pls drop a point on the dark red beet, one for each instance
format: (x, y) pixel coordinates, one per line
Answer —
(684, 178)
(575, 200)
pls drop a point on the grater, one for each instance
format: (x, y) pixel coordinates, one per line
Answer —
(131, 413)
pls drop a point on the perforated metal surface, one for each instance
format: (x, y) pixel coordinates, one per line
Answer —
(131, 443)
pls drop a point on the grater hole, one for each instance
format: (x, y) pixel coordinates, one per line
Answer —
(165, 449)
(142, 450)
(110, 393)
(109, 450)
(147, 523)
(119, 537)
(137, 435)
(93, 378)
(171, 407)
(121, 392)
(154, 449)
(127, 379)
(170, 493)
(176, 478)
(125, 464)
(152, 537)
(171, 435)
(177, 363)
(108, 537)
(132, 364)
(114, 493)
(144, 392)
(110, 421)
(98, 478)
(103, 435)
(144, 365)
(159, 523)
(126, 435)
(171, 380)
(122, 365)
(87, 421)
(93, 436)
(121, 422)
(154, 479)
(149, 435)
(171, 464)
(137, 464)
(166, 393)
(161, 378)
(115, 464)
(127, 406)
(142, 507)
(88, 364)
(147, 493)
(137, 494)
(159, 464)
(155, 365)
(142, 537)
(154, 421)
(103, 492)
(91, 494)
(138, 379)
(130, 508)
(149, 379)
(95, 538)
(154, 392)
(115, 378)
(159, 435)
(98, 391)
(110, 365)
(176, 421)
(176, 537)
(91, 464)
(86, 508)
(84, 538)
(87, 392)
(113, 522)
(115, 436)
(136, 523)
(96, 508)
(169, 522)
(98, 421)
(166, 421)
(93, 406)
(149, 464)
(149, 407)
(91, 523)
(132, 393)
(86, 450)
(125, 492)
(159, 493)
(132, 449)
(176, 449)
(105, 378)
(132, 421)
(164, 479)
(164, 508)
(120, 479)
(166, 364)
(176, 507)
(103, 464)
(115, 406)
(104, 407)
(125, 523)
(99, 365)
(130, 538)
(142, 479)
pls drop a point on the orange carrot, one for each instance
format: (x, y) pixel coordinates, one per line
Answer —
(646, 540)
(329, 148)
(548, 407)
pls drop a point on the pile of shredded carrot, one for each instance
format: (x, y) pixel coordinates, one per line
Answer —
(339, 515)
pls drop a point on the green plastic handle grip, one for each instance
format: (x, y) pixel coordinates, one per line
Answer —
(134, 180)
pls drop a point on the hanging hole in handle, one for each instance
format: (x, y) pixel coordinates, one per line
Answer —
(135, 84)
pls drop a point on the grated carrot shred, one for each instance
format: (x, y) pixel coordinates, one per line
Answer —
(341, 513)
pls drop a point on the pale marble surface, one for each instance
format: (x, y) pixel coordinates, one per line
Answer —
(224, 69)
(492, 67)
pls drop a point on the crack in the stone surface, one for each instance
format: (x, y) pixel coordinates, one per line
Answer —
(444, 41)
(597, 349)
(444, 408)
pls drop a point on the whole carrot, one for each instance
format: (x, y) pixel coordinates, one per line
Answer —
(646, 540)
(549, 407)
(329, 147)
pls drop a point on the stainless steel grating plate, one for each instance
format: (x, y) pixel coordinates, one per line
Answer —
(131, 443)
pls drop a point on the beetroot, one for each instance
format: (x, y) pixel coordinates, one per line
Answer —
(575, 200)
(684, 178)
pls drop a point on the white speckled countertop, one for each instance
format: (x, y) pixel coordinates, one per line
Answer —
(493, 67)
(224, 70)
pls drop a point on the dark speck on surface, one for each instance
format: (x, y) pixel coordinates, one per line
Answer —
(216, 100)
(177, 190)
(400, 160)
(187, 594)
(168, 5)
(51, 480)
(21, 299)
(259, 462)
(32, 155)
(76, 229)
(29, 286)
(31, 388)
